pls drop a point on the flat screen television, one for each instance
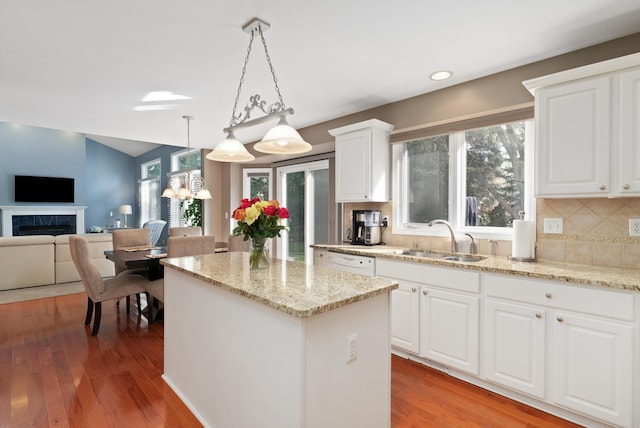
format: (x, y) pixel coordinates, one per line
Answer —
(29, 188)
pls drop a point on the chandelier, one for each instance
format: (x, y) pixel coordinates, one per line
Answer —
(282, 138)
(190, 186)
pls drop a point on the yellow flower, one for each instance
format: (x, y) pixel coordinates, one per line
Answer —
(261, 205)
(252, 213)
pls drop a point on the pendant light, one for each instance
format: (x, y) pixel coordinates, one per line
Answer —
(188, 184)
(281, 139)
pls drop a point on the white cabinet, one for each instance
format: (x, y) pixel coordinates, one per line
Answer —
(587, 132)
(449, 328)
(514, 343)
(361, 265)
(578, 339)
(405, 317)
(362, 161)
(435, 312)
(319, 257)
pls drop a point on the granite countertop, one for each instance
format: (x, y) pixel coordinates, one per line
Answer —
(601, 276)
(291, 287)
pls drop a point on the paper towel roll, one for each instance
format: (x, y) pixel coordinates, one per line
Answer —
(524, 236)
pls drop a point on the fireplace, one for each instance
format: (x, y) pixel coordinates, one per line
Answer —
(42, 219)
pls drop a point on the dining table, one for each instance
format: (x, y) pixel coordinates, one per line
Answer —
(140, 257)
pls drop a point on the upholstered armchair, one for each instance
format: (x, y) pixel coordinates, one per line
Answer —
(237, 243)
(155, 228)
(98, 289)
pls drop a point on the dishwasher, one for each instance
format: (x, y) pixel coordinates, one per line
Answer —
(361, 265)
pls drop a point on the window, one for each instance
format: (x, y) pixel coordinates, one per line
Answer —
(149, 191)
(256, 183)
(478, 180)
(185, 166)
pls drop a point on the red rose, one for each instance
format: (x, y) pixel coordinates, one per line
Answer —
(269, 210)
(254, 200)
(245, 203)
(282, 212)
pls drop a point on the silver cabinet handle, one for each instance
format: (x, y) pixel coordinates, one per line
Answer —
(538, 315)
(413, 289)
(425, 292)
(560, 319)
(626, 187)
(603, 187)
(547, 295)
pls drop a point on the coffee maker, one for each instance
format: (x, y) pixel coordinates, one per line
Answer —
(366, 227)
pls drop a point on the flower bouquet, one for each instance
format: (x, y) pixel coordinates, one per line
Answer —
(259, 220)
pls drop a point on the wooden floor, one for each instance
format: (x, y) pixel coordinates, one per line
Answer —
(53, 373)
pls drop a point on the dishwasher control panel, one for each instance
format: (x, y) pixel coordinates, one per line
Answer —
(354, 264)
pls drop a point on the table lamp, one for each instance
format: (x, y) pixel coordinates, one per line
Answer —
(125, 209)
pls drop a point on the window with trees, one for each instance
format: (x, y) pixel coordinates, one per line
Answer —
(185, 165)
(149, 191)
(475, 179)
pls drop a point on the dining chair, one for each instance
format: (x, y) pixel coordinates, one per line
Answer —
(98, 289)
(180, 246)
(155, 227)
(185, 231)
(237, 243)
(124, 238)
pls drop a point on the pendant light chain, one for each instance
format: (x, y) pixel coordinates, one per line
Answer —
(244, 71)
(273, 73)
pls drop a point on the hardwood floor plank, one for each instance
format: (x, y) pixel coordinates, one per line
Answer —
(54, 373)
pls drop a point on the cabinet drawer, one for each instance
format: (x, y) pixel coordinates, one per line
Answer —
(449, 278)
(607, 303)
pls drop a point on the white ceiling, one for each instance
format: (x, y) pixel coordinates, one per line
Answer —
(83, 65)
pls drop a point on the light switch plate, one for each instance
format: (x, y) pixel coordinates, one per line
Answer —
(553, 226)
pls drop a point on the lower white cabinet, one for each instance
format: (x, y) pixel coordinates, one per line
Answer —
(405, 317)
(579, 340)
(435, 312)
(449, 328)
(514, 343)
(593, 367)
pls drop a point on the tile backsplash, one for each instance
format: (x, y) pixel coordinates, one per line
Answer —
(595, 232)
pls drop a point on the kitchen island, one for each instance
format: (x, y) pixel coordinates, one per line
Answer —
(288, 346)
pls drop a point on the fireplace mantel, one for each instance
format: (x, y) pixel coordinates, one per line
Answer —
(9, 211)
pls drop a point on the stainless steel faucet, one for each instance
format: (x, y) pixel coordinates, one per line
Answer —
(454, 243)
(473, 248)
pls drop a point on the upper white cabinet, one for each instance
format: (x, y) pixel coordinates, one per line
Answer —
(587, 130)
(362, 161)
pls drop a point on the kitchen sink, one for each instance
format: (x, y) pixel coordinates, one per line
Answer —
(466, 259)
(433, 255)
(424, 253)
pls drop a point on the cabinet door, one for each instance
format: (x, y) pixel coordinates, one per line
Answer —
(594, 367)
(353, 166)
(573, 135)
(515, 346)
(405, 322)
(629, 133)
(319, 257)
(449, 324)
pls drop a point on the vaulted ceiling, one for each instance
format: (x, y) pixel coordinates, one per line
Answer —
(85, 66)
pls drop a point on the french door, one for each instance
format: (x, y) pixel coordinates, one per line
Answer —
(304, 190)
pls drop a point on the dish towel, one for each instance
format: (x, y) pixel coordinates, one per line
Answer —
(472, 211)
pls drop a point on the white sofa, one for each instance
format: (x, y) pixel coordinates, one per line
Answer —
(31, 261)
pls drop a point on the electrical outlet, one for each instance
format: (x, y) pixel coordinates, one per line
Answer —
(352, 348)
(634, 227)
(385, 221)
(553, 226)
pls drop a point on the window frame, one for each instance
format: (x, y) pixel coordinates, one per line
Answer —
(457, 185)
(147, 182)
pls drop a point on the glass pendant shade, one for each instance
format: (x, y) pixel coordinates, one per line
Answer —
(169, 192)
(184, 193)
(282, 139)
(230, 150)
(203, 194)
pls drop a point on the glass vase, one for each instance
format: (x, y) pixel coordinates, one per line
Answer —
(258, 258)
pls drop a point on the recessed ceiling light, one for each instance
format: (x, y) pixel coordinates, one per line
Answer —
(155, 107)
(163, 96)
(440, 75)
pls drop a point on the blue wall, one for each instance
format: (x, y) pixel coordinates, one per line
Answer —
(104, 178)
(29, 150)
(111, 182)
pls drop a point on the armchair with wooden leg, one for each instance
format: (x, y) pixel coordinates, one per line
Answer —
(124, 238)
(98, 289)
(180, 246)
